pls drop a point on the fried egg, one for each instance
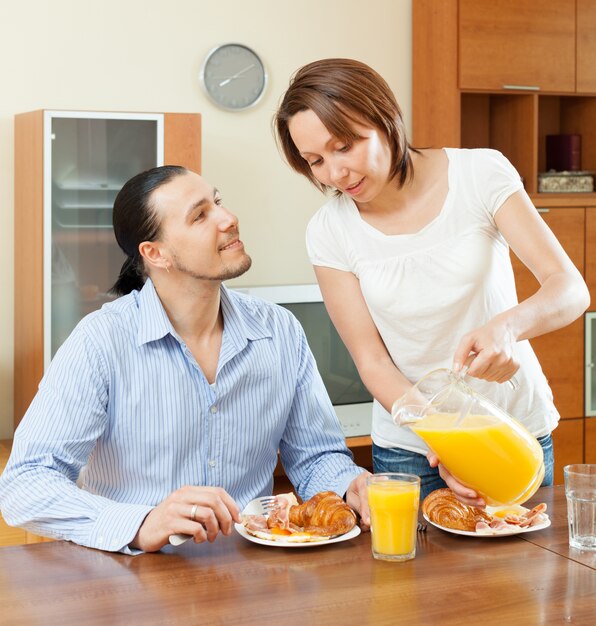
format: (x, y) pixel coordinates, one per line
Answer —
(501, 512)
(279, 534)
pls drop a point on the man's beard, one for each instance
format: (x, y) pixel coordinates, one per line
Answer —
(227, 273)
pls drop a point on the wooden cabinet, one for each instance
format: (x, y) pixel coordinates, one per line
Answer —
(69, 166)
(462, 62)
(568, 442)
(512, 44)
(467, 54)
(590, 440)
(591, 254)
(586, 46)
(561, 352)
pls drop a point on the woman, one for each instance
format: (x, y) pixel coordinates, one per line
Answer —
(412, 257)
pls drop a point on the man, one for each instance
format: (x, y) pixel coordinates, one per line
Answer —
(163, 412)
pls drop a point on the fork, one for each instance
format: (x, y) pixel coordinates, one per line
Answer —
(421, 528)
(264, 505)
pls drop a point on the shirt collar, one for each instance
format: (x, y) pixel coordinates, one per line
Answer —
(154, 322)
(241, 323)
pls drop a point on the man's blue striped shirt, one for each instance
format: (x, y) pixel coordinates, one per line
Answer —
(124, 416)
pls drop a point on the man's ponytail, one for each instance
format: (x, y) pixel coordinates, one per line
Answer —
(129, 279)
(135, 220)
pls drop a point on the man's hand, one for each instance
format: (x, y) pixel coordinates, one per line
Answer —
(214, 511)
(357, 498)
(463, 494)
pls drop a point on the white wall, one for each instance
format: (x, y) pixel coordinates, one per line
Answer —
(145, 55)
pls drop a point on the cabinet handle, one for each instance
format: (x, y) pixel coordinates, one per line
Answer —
(523, 87)
(543, 210)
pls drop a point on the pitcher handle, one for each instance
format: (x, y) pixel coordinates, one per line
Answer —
(512, 382)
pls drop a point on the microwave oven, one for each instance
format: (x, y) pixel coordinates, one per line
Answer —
(350, 398)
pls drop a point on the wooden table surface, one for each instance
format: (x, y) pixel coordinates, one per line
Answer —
(527, 579)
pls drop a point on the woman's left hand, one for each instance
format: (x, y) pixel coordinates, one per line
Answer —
(462, 493)
(488, 352)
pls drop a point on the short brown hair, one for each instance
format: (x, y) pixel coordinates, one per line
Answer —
(341, 92)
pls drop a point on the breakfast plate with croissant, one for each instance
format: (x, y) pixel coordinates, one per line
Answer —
(323, 519)
(442, 509)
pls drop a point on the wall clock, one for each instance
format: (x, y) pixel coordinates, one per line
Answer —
(233, 76)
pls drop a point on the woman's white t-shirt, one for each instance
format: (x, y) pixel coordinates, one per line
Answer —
(426, 290)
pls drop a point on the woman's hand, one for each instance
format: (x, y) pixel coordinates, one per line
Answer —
(462, 493)
(202, 512)
(488, 352)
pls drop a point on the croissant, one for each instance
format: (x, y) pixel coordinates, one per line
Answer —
(443, 508)
(325, 514)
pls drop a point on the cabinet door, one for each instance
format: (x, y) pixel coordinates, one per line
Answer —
(590, 434)
(512, 43)
(586, 46)
(68, 169)
(561, 352)
(591, 255)
(568, 442)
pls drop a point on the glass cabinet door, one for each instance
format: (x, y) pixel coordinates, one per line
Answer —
(91, 157)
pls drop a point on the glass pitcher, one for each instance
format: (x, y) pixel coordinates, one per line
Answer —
(478, 442)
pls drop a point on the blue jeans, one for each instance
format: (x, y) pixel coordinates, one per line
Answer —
(406, 462)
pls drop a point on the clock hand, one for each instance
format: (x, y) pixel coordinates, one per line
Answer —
(236, 75)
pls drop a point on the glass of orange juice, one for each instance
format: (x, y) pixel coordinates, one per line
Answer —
(393, 500)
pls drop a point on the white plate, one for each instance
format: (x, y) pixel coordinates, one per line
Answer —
(280, 543)
(501, 533)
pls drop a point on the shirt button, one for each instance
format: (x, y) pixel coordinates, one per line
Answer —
(214, 409)
(211, 463)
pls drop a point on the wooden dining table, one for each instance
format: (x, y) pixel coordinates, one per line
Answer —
(532, 578)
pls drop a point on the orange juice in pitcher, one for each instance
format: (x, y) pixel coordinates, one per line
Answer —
(485, 454)
(479, 443)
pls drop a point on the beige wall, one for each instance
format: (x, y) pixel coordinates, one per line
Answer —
(145, 55)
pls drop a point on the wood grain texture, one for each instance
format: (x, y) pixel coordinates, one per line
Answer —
(568, 441)
(514, 132)
(435, 120)
(452, 580)
(590, 440)
(564, 346)
(578, 115)
(586, 46)
(28, 259)
(517, 43)
(182, 140)
(562, 200)
(591, 255)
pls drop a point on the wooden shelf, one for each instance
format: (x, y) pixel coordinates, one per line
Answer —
(358, 442)
(563, 200)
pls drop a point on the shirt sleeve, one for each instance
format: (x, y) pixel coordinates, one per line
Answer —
(325, 243)
(313, 448)
(495, 178)
(38, 489)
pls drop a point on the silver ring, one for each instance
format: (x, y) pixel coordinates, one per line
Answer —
(193, 511)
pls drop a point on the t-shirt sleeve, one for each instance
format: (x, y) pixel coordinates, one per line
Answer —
(496, 179)
(325, 241)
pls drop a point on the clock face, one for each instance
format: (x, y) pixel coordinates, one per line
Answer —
(234, 76)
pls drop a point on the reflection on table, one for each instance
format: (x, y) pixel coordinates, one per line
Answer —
(534, 578)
